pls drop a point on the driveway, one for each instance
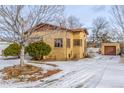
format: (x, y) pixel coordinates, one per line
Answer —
(113, 75)
(101, 71)
(98, 72)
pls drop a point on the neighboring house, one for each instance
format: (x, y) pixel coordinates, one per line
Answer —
(65, 43)
(110, 48)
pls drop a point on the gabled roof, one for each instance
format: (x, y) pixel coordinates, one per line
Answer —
(54, 27)
(80, 30)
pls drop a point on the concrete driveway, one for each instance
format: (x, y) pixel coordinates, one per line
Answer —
(98, 72)
(113, 75)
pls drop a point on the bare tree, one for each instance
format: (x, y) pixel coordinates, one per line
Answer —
(61, 21)
(70, 22)
(73, 22)
(99, 30)
(15, 21)
(117, 13)
(118, 19)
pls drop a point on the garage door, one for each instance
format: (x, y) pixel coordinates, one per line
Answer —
(110, 50)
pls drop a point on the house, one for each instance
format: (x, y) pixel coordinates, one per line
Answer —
(110, 48)
(65, 43)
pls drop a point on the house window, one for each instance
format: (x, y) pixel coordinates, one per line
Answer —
(68, 43)
(77, 42)
(58, 42)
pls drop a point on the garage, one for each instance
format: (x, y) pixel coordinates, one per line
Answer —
(110, 48)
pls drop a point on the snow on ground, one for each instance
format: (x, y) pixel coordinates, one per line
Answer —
(93, 52)
(101, 71)
(91, 49)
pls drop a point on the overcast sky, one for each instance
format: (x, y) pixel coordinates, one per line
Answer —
(86, 13)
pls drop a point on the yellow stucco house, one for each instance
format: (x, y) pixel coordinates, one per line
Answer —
(66, 44)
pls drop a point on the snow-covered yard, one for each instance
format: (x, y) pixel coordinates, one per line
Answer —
(100, 71)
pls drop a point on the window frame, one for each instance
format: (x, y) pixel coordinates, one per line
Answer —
(68, 42)
(57, 44)
(77, 42)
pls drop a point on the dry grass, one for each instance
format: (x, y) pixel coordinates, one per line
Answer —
(26, 73)
(54, 65)
(51, 72)
(48, 73)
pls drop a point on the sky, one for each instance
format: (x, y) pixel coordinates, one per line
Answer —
(86, 13)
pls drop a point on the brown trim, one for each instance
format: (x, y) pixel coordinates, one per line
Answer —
(58, 42)
(54, 27)
(77, 42)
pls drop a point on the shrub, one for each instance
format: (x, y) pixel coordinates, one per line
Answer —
(12, 50)
(38, 49)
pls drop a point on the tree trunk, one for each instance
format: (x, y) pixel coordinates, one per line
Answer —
(22, 56)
